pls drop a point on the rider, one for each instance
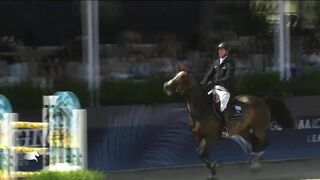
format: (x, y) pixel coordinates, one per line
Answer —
(220, 77)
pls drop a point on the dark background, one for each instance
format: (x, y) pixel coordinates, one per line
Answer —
(53, 23)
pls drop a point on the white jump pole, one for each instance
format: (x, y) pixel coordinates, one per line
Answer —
(82, 140)
(45, 119)
(54, 145)
(10, 142)
(78, 136)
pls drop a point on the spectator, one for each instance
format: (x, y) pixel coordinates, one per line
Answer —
(314, 58)
(138, 66)
(162, 65)
(192, 62)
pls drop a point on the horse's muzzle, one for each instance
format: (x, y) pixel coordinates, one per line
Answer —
(166, 89)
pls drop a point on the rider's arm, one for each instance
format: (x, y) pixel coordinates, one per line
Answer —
(230, 70)
(209, 74)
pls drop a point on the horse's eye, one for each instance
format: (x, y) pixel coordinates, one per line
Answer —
(178, 89)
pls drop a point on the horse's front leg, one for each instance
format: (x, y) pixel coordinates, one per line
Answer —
(204, 156)
(259, 144)
(191, 124)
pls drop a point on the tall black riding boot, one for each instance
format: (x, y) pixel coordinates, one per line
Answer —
(225, 132)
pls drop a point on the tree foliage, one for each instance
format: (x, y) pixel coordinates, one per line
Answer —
(306, 13)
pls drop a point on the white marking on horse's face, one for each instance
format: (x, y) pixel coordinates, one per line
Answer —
(174, 84)
(178, 76)
(166, 88)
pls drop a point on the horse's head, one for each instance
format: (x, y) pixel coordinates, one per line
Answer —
(181, 83)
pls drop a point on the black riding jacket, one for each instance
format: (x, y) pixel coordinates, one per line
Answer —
(221, 74)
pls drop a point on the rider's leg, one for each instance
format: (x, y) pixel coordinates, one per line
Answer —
(224, 102)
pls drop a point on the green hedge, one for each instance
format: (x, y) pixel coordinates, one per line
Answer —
(260, 84)
(134, 92)
(28, 95)
(72, 175)
(126, 92)
(269, 84)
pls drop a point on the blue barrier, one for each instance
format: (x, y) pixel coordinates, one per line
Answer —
(144, 137)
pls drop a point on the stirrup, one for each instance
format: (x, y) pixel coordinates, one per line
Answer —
(225, 132)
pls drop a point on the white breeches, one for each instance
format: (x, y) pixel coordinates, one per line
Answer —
(223, 95)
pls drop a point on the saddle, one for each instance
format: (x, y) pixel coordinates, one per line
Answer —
(234, 110)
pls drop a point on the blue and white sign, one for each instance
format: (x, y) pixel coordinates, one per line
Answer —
(153, 136)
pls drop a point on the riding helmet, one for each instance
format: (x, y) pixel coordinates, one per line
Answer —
(224, 45)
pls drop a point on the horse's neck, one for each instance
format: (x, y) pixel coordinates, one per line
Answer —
(195, 99)
(197, 102)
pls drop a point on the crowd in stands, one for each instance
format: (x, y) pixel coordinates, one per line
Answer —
(129, 57)
(311, 50)
(11, 64)
(10, 44)
(251, 54)
(164, 58)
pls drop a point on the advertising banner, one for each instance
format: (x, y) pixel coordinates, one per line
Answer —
(135, 137)
(141, 136)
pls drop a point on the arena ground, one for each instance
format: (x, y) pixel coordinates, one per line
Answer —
(307, 169)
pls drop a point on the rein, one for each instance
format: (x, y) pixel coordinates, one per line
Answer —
(193, 95)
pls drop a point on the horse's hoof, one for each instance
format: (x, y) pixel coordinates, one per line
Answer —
(212, 167)
(255, 165)
(212, 177)
(255, 162)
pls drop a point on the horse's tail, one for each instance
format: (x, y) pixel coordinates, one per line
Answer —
(279, 112)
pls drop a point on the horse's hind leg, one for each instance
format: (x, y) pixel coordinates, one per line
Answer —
(259, 144)
(204, 156)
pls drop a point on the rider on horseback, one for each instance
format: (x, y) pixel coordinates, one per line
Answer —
(220, 78)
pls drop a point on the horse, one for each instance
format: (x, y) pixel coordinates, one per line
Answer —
(207, 124)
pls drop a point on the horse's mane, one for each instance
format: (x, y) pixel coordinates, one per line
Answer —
(202, 91)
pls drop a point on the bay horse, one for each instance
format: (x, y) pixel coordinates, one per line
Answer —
(207, 125)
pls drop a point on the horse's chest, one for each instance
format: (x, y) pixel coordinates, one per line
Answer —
(189, 107)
